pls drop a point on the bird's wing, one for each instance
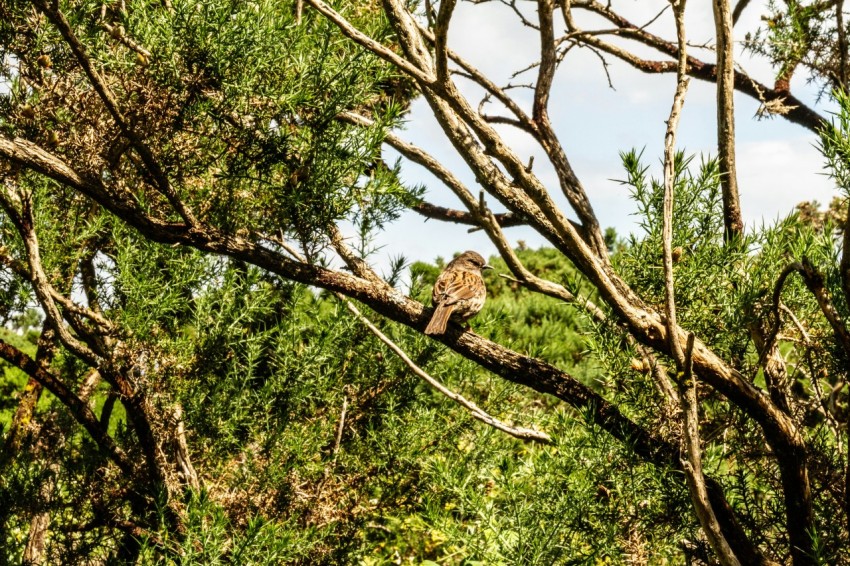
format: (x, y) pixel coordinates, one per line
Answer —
(453, 286)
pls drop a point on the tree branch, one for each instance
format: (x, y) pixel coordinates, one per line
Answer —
(510, 365)
(441, 33)
(67, 304)
(774, 101)
(375, 47)
(522, 119)
(669, 183)
(19, 210)
(734, 225)
(428, 210)
(693, 464)
(814, 283)
(684, 358)
(548, 61)
(474, 410)
(78, 408)
(739, 9)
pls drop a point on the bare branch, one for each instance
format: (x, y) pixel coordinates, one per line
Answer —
(420, 74)
(441, 33)
(79, 409)
(659, 375)
(474, 410)
(733, 223)
(356, 264)
(796, 322)
(505, 219)
(181, 451)
(684, 358)
(693, 464)
(790, 107)
(448, 102)
(669, 182)
(525, 276)
(341, 426)
(489, 86)
(548, 60)
(739, 9)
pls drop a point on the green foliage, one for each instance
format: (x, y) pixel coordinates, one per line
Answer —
(13, 379)
(262, 369)
(312, 442)
(796, 34)
(835, 144)
(724, 291)
(240, 103)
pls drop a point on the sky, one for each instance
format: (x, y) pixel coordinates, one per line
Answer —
(778, 162)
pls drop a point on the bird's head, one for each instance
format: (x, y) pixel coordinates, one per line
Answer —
(471, 261)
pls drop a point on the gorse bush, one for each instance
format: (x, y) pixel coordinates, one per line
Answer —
(185, 379)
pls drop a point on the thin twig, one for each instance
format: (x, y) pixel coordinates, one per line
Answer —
(669, 181)
(489, 86)
(474, 411)
(796, 322)
(684, 359)
(733, 223)
(190, 476)
(118, 33)
(375, 47)
(693, 463)
(340, 426)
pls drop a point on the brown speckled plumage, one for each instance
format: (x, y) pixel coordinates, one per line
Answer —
(459, 291)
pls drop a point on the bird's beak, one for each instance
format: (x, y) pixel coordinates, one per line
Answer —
(485, 266)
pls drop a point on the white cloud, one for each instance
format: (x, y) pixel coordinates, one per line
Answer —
(775, 175)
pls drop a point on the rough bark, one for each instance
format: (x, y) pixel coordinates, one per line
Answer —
(734, 225)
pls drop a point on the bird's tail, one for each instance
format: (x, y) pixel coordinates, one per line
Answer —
(439, 319)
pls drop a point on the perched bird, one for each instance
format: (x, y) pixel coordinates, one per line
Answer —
(459, 291)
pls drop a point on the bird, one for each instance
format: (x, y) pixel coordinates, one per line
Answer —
(459, 291)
